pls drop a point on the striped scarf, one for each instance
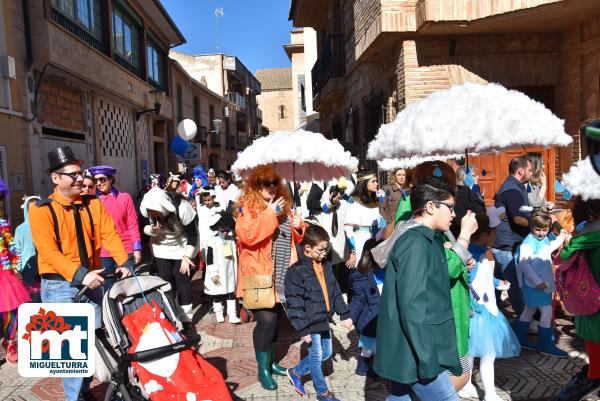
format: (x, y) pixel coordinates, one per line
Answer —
(281, 252)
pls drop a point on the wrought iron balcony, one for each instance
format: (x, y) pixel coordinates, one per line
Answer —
(329, 64)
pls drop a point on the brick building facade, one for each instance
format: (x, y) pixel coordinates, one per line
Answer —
(375, 57)
(276, 100)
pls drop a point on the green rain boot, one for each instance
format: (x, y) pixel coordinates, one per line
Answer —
(276, 369)
(264, 371)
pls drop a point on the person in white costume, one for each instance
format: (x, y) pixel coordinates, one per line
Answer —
(363, 220)
(220, 279)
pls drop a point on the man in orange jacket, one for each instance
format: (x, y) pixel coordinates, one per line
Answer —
(68, 231)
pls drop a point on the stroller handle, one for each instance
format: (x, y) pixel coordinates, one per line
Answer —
(85, 288)
(107, 275)
(164, 351)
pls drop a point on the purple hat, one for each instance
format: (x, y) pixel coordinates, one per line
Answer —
(105, 170)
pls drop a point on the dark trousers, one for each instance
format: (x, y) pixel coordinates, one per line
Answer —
(168, 270)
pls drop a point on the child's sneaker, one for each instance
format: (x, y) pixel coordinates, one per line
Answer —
(296, 381)
(12, 353)
(328, 396)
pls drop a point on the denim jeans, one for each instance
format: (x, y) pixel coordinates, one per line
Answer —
(508, 268)
(109, 265)
(320, 350)
(54, 291)
(438, 389)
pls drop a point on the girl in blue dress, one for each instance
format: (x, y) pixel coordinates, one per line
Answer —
(490, 335)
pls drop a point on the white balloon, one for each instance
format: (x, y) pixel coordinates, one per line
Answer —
(187, 129)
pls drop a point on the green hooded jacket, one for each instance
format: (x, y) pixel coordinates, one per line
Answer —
(416, 333)
(587, 327)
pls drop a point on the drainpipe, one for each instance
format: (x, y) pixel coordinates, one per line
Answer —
(27, 29)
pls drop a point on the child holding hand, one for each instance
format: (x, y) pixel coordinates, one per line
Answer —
(313, 295)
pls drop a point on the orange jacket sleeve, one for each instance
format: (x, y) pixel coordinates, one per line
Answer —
(45, 241)
(252, 230)
(110, 237)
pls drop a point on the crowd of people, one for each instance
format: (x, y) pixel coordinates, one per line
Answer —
(421, 259)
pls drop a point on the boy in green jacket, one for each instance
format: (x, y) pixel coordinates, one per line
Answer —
(419, 346)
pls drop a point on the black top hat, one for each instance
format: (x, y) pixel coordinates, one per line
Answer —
(60, 157)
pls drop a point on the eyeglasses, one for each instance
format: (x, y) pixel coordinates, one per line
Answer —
(272, 183)
(322, 251)
(448, 205)
(100, 180)
(73, 175)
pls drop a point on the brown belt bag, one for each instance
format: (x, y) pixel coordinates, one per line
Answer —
(258, 292)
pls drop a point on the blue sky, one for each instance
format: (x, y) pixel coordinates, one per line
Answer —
(252, 30)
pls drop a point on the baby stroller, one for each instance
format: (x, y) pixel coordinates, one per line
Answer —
(140, 351)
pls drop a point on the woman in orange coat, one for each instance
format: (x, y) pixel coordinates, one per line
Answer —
(267, 233)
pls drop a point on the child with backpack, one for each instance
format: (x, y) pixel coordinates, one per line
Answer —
(313, 295)
(490, 335)
(220, 257)
(536, 279)
(367, 283)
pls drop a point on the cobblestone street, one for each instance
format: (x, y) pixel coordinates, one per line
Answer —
(532, 376)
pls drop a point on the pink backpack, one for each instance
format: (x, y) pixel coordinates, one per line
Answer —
(576, 285)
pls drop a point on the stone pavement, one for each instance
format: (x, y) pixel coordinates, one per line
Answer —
(229, 347)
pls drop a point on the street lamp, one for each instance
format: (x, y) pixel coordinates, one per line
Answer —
(158, 99)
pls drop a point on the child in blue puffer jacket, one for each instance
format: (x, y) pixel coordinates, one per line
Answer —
(366, 282)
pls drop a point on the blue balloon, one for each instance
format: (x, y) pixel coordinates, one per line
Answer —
(484, 172)
(567, 195)
(437, 172)
(476, 189)
(179, 146)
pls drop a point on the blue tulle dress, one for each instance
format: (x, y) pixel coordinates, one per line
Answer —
(489, 332)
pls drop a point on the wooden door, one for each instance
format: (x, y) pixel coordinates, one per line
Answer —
(496, 168)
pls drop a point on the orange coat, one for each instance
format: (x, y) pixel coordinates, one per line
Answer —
(67, 262)
(255, 240)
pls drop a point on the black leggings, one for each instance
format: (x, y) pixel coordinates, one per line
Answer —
(168, 270)
(265, 331)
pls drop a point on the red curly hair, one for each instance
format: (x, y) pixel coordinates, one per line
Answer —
(251, 197)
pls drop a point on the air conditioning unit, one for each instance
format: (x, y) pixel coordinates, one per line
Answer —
(226, 111)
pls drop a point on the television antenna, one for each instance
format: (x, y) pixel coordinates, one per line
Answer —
(218, 14)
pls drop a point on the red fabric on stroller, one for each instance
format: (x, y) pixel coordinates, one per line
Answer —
(185, 375)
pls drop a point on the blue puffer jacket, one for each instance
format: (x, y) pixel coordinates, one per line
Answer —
(364, 306)
(306, 307)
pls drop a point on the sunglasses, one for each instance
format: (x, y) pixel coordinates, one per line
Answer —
(100, 180)
(593, 141)
(271, 183)
(73, 175)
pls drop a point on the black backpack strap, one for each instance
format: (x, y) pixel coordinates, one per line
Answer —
(55, 221)
(87, 209)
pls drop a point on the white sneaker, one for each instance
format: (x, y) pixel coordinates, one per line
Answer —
(468, 391)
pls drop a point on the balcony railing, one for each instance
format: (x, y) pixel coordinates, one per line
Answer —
(330, 63)
(237, 99)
